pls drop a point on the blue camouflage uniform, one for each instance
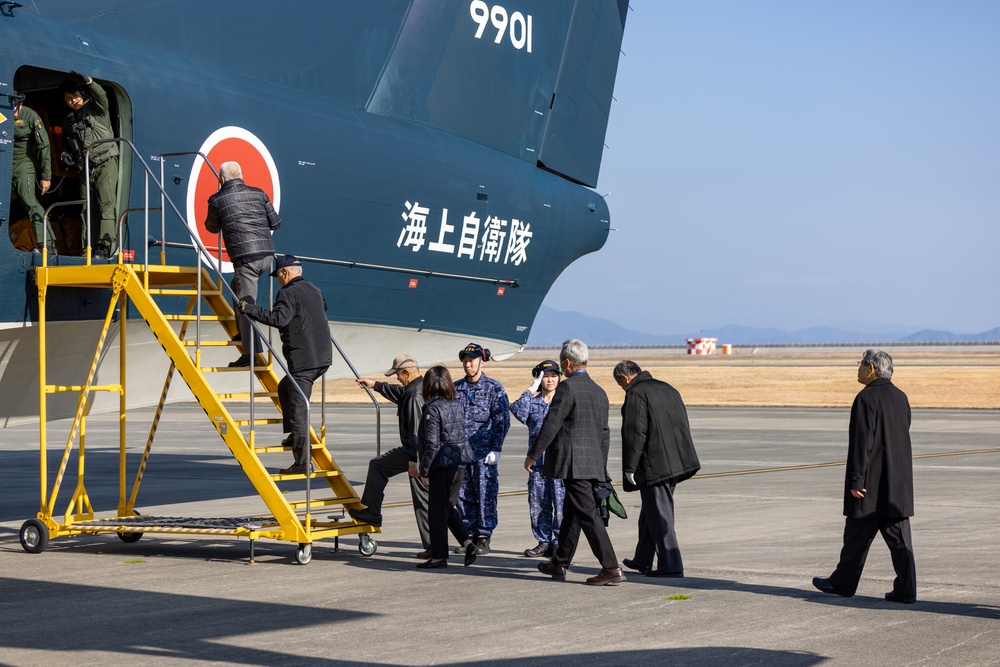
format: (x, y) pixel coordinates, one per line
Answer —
(486, 423)
(545, 495)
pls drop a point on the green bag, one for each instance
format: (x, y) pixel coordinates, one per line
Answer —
(607, 502)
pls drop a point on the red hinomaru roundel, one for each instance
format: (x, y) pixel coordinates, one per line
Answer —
(224, 145)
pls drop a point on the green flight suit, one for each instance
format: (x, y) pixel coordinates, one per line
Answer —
(32, 163)
(82, 128)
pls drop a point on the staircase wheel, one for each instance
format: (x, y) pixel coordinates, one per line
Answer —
(34, 536)
(367, 546)
(303, 554)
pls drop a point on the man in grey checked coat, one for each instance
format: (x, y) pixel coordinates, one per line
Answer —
(576, 439)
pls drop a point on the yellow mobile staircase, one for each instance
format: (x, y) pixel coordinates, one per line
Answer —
(292, 516)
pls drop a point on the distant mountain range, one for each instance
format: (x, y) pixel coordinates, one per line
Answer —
(552, 327)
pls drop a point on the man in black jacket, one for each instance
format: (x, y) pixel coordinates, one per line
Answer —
(299, 313)
(246, 218)
(576, 441)
(878, 488)
(657, 454)
(409, 407)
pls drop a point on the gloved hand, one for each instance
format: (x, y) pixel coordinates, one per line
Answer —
(492, 458)
(81, 79)
(242, 305)
(630, 476)
(536, 384)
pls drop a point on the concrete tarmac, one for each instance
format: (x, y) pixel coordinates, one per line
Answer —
(751, 544)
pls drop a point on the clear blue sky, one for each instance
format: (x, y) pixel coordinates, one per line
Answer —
(801, 163)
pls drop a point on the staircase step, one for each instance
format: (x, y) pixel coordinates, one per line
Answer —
(208, 343)
(234, 369)
(274, 449)
(206, 318)
(245, 395)
(167, 291)
(316, 475)
(256, 422)
(325, 502)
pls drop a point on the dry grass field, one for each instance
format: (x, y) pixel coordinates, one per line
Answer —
(946, 378)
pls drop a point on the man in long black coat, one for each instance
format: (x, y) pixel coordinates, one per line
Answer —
(657, 454)
(577, 440)
(878, 494)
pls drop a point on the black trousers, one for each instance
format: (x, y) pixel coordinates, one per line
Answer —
(380, 469)
(295, 409)
(656, 530)
(858, 536)
(580, 514)
(442, 510)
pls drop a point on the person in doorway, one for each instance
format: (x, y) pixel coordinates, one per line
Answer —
(878, 484)
(657, 454)
(487, 421)
(88, 122)
(545, 494)
(32, 170)
(576, 441)
(409, 400)
(299, 314)
(443, 455)
(246, 218)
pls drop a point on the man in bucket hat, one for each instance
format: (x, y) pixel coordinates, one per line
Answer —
(408, 397)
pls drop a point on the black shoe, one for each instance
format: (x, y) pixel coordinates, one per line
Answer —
(295, 469)
(423, 555)
(432, 564)
(482, 545)
(365, 516)
(550, 552)
(893, 596)
(244, 360)
(554, 571)
(287, 442)
(537, 550)
(664, 573)
(632, 565)
(102, 252)
(825, 586)
(470, 554)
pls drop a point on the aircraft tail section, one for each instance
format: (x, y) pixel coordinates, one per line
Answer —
(532, 79)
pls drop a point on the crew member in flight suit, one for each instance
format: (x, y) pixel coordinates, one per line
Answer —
(486, 423)
(89, 120)
(32, 165)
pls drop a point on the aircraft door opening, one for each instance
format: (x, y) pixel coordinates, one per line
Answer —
(51, 121)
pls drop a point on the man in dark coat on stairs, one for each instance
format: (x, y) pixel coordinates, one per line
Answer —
(878, 493)
(299, 313)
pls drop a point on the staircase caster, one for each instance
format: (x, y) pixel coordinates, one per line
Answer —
(129, 538)
(304, 554)
(34, 536)
(367, 546)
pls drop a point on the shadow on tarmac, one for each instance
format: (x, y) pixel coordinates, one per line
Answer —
(184, 627)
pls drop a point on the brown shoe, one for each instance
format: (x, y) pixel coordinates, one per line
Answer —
(423, 555)
(295, 469)
(607, 577)
(549, 568)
